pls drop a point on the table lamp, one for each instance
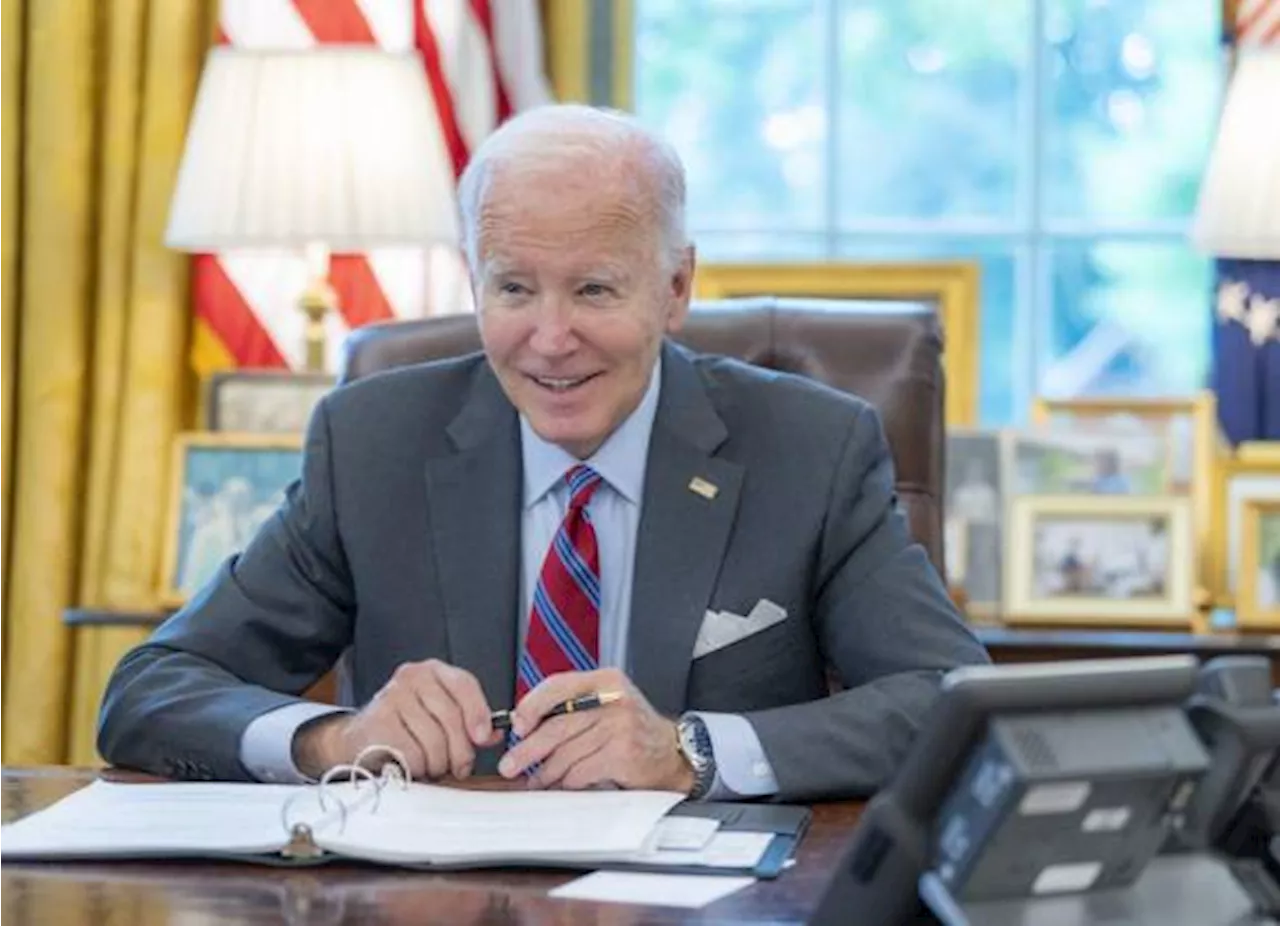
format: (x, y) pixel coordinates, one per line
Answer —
(1238, 222)
(335, 148)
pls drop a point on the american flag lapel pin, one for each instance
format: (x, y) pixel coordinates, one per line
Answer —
(706, 489)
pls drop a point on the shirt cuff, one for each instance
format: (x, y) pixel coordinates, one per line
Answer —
(266, 746)
(742, 770)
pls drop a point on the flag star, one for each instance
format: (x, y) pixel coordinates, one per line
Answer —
(1231, 301)
(1261, 319)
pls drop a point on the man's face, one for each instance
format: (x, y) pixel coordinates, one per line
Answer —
(574, 301)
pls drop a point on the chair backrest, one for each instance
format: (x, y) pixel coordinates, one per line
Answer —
(889, 353)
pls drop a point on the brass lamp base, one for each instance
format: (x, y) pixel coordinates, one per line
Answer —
(316, 302)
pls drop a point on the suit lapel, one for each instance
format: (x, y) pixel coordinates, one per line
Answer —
(682, 536)
(473, 500)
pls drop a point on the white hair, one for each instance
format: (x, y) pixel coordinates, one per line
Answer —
(539, 137)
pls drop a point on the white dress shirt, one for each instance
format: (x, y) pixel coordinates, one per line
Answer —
(742, 768)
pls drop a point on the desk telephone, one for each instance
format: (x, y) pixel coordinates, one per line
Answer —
(1111, 791)
(1234, 713)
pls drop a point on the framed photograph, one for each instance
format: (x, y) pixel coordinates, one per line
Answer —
(955, 550)
(1071, 462)
(1189, 423)
(1091, 560)
(222, 488)
(1258, 602)
(263, 401)
(951, 286)
(1242, 479)
(975, 500)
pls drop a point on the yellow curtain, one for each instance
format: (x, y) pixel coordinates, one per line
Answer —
(96, 321)
(568, 28)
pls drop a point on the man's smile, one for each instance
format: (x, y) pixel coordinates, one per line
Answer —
(562, 384)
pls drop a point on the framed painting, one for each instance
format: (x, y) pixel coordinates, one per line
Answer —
(222, 488)
(976, 495)
(952, 287)
(263, 401)
(1043, 461)
(1258, 600)
(1242, 479)
(1119, 561)
(1190, 425)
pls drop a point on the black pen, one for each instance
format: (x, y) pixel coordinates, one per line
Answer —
(501, 720)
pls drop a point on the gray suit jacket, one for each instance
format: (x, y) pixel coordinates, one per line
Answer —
(401, 542)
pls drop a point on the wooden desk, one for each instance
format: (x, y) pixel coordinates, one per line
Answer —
(139, 894)
(1028, 644)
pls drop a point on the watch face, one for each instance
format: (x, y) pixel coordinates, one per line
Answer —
(689, 744)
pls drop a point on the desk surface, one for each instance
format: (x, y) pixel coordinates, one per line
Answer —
(227, 893)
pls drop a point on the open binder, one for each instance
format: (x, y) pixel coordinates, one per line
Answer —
(358, 814)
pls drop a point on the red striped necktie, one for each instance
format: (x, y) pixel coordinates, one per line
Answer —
(564, 622)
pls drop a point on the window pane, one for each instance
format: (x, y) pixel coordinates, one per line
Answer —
(758, 247)
(1133, 101)
(737, 88)
(928, 107)
(1127, 319)
(998, 366)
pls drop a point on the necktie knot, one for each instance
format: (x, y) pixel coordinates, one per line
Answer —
(583, 482)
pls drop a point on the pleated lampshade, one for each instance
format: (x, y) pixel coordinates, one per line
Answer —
(336, 145)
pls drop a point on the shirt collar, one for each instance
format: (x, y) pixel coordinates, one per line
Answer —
(620, 460)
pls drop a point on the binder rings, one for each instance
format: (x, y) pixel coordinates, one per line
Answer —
(358, 814)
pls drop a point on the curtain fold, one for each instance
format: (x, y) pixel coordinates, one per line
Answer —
(96, 326)
(10, 160)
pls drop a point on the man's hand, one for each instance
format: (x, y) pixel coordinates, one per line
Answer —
(626, 743)
(435, 714)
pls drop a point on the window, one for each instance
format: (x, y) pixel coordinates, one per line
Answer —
(1058, 142)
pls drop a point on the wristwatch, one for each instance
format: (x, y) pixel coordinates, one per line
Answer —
(695, 745)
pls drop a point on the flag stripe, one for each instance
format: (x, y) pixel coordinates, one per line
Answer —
(220, 304)
(1257, 22)
(425, 39)
(484, 16)
(360, 295)
(334, 22)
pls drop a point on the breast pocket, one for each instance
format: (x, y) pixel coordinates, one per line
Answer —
(777, 665)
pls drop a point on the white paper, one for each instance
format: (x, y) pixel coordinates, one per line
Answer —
(725, 850)
(107, 818)
(413, 823)
(685, 832)
(429, 823)
(689, 891)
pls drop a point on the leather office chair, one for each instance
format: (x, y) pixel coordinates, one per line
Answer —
(889, 353)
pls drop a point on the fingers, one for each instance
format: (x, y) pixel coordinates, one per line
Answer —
(561, 687)
(441, 710)
(422, 727)
(444, 710)
(558, 767)
(464, 689)
(545, 740)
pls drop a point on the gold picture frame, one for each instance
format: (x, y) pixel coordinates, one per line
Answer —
(1202, 409)
(1111, 598)
(1251, 613)
(1260, 474)
(214, 507)
(952, 285)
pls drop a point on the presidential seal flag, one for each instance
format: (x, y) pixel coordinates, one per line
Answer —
(1238, 222)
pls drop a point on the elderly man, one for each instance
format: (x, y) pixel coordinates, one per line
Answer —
(585, 507)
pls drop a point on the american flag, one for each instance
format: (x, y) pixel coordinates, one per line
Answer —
(1257, 22)
(483, 60)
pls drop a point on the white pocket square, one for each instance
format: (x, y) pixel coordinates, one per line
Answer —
(722, 628)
